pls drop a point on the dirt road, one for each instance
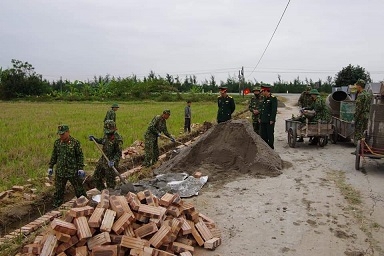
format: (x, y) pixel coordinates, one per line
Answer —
(313, 208)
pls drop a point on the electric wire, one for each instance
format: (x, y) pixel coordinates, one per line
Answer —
(270, 39)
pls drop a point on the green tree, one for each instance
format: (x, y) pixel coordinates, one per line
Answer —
(350, 74)
(21, 80)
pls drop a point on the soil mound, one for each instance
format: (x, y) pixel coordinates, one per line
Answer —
(225, 151)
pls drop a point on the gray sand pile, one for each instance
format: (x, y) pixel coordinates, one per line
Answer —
(225, 151)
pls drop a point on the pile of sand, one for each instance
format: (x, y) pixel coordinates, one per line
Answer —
(225, 151)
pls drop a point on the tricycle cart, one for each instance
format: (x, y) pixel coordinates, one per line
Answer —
(297, 129)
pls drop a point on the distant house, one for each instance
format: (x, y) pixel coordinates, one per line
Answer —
(374, 87)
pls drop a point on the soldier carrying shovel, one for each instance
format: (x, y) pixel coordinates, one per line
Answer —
(112, 147)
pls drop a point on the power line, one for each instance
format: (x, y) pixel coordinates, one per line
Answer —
(271, 38)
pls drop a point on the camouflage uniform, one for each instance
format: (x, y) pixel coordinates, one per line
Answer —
(363, 103)
(156, 126)
(226, 108)
(268, 111)
(254, 105)
(111, 115)
(68, 157)
(112, 147)
(322, 112)
(305, 100)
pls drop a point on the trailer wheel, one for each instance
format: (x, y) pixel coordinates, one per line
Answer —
(291, 137)
(357, 155)
(323, 141)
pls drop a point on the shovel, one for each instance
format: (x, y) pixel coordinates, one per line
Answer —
(127, 186)
(178, 142)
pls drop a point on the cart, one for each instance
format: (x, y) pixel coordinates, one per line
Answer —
(341, 129)
(372, 143)
(297, 129)
(365, 148)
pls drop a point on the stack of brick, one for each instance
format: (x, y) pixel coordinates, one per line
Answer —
(136, 224)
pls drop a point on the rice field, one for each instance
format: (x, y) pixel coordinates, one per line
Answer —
(28, 130)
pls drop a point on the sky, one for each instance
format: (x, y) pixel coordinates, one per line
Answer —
(80, 39)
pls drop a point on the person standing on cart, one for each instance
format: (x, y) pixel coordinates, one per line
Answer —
(363, 103)
(322, 113)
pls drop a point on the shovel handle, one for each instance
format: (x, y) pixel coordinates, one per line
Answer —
(106, 158)
(178, 142)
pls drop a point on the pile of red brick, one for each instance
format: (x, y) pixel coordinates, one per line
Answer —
(136, 224)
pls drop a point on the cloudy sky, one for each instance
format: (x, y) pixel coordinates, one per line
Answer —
(78, 39)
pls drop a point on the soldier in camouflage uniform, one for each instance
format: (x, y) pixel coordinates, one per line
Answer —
(363, 103)
(157, 126)
(68, 157)
(253, 108)
(111, 114)
(305, 99)
(318, 105)
(322, 113)
(226, 106)
(112, 147)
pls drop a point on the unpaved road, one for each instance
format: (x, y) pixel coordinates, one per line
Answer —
(305, 211)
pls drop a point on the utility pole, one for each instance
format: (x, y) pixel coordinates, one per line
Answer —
(242, 78)
(239, 82)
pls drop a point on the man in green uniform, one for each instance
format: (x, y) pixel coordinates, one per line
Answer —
(157, 126)
(112, 146)
(226, 106)
(363, 103)
(322, 113)
(253, 108)
(111, 114)
(318, 105)
(305, 99)
(69, 159)
(268, 111)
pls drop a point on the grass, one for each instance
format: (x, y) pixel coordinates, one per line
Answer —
(29, 129)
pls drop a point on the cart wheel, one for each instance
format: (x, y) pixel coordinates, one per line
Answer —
(357, 154)
(334, 135)
(291, 137)
(323, 141)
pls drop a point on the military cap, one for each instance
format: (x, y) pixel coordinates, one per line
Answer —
(360, 82)
(109, 126)
(257, 88)
(223, 88)
(167, 111)
(61, 129)
(309, 88)
(115, 105)
(314, 92)
(265, 87)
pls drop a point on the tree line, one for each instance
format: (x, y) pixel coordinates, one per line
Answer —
(22, 82)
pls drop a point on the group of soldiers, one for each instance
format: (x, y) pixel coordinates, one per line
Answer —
(263, 106)
(68, 156)
(311, 100)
